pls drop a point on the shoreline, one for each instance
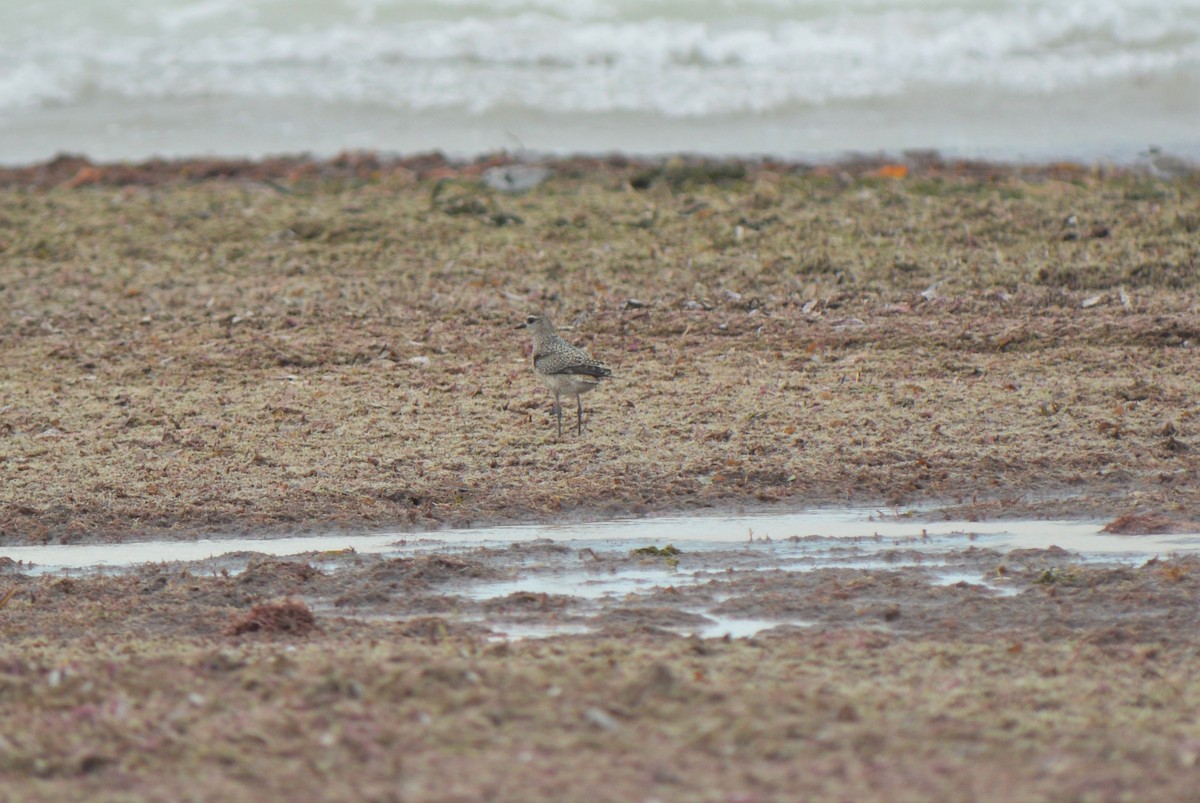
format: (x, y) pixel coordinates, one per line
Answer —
(73, 170)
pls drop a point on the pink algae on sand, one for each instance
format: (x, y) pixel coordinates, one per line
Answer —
(1147, 524)
(289, 616)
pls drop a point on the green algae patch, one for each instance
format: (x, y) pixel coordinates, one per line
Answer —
(668, 551)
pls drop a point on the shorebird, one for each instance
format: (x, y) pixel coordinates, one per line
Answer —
(565, 369)
(1165, 166)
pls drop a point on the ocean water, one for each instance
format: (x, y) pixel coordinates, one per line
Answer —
(1093, 80)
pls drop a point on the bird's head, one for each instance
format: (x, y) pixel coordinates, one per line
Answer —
(534, 322)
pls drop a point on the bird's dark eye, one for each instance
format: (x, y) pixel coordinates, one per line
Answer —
(531, 319)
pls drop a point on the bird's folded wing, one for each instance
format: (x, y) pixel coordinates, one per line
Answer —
(569, 364)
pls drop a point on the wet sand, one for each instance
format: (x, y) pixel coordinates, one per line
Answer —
(290, 347)
(874, 668)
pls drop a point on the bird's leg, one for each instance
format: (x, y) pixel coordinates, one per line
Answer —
(579, 404)
(558, 413)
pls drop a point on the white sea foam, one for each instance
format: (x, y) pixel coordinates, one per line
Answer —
(681, 63)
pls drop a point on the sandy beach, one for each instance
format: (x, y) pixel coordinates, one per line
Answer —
(207, 347)
(295, 346)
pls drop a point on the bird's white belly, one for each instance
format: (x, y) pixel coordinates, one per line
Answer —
(570, 384)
